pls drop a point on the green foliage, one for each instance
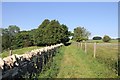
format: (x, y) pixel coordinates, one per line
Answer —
(51, 32)
(53, 66)
(13, 29)
(106, 38)
(80, 34)
(23, 39)
(8, 36)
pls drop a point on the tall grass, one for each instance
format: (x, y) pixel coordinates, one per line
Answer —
(52, 68)
(106, 53)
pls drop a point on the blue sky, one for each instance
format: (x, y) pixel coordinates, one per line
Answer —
(99, 18)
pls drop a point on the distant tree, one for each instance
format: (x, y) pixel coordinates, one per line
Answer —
(13, 29)
(6, 39)
(8, 36)
(80, 33)
(97, 38)
(106, 38)
(23, 39)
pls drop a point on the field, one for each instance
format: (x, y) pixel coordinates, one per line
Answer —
(101, 41)
(19, 51)
(75, 63)
(71, 61)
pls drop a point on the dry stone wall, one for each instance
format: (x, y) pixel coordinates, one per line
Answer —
(28, 64)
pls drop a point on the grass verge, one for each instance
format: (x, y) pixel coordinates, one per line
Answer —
(52, 68)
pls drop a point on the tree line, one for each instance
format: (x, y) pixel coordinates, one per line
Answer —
(47, 33)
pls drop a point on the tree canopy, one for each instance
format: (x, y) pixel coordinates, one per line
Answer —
(47, 33)
(51, 32)
(80, 34)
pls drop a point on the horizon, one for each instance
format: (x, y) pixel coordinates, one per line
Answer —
(99, 18)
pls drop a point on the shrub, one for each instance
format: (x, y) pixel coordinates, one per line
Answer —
(106, 38)
(97, 38)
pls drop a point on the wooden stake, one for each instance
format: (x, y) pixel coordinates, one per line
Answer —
(85, 47)
(81, 45)
(94, 49)
(10, 53)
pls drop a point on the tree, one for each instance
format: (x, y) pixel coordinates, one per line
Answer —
(65, 34)
(23, 39)
(44, 23)
(106, 38)
(6, 39)
(51, 32)
(97, 38)
(80, 33)
(13, 29)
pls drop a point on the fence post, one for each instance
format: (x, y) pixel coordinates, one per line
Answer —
(85, 47)
(10, 52)
(81, 45)
(94, 49)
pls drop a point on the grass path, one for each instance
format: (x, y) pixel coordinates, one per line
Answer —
(76, 64)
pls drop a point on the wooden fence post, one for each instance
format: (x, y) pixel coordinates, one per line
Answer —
(81, 45)
(85, 47)
(10, 52)
(94, 49)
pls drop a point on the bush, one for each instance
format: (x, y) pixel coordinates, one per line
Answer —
(106, 38)
(97, 38)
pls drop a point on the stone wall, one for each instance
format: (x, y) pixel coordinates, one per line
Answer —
(28, 64)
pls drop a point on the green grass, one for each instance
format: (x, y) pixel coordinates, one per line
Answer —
(19, 51)
(77, 64)
(52, 68)
(101, 41)
(73, 62)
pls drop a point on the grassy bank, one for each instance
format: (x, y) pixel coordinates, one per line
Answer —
(52, 68)
(19, 51)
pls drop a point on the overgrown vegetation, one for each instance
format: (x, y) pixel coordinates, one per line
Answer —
(106, 53)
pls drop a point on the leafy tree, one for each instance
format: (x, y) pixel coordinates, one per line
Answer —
(6, 39)
(65, 34)
(97, 38)
(106, 38)
(44, 23)
(80, 33)
(13, 29)
(51, 32)
(23, 39)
